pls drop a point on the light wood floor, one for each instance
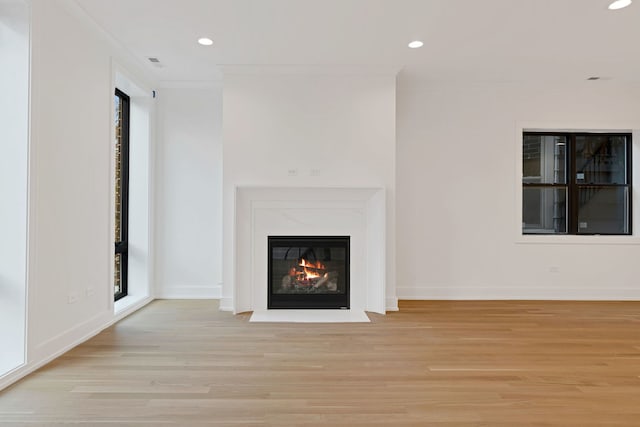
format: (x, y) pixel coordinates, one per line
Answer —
(431, 364)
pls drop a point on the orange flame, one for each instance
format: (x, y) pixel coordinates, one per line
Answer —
(312, 270)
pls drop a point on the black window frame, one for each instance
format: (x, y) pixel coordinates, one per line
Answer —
(122, 246)
(573, 188)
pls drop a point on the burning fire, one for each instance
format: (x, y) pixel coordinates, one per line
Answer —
(311, 270)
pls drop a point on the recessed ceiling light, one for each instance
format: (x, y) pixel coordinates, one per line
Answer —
(619, 4)
(416, 44)
(205, 41)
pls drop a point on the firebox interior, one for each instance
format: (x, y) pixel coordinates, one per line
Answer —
(308, 272)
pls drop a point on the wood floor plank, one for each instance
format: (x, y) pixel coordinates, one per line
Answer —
(435, 363)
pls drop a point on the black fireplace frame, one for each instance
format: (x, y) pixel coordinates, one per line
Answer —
(308, 301)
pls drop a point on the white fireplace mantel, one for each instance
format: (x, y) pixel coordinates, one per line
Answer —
(264, 211)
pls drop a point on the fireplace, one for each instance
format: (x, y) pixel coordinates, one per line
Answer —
(308, 272)
(260, 212)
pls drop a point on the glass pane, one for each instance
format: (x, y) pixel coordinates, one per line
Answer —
(544, 210)
(308, 270)
(603, 210)
(544, 159)
(118, 172)
(118, 274)
(601, 159)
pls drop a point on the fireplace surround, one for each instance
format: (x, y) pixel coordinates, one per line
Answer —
(308, 272)
(260, 212)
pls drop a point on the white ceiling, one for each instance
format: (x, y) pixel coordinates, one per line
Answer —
(470, 40)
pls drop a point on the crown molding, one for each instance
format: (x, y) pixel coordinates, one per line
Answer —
(297, 69)
(191, 84)
(120, 53)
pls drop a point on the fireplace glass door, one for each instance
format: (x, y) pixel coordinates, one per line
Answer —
(308, 272)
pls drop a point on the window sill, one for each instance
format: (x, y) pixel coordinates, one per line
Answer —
(577, 240)
(128, 302)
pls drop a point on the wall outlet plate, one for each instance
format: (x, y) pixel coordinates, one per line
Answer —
(73, 297)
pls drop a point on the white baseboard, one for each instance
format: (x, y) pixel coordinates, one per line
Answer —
(16, 375)
(189, 292)
(60, 344)
(518, 293)
(392, 304)
(226, 304)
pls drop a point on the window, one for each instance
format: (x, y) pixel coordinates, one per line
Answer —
(576, 183)
(121, 102)
(15, 18)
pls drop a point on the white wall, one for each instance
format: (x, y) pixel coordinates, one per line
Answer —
(70, 285)
(458, 205)
(14, 122)
(311, 130)
(70, 187)
(189, 194)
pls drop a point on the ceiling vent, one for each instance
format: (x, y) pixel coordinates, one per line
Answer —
(155, 61)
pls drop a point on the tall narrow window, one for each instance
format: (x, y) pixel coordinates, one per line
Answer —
(15, 19)
(576, 183)
(121, 103)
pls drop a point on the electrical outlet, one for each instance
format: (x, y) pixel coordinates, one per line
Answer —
(73, 297)
(292, 172)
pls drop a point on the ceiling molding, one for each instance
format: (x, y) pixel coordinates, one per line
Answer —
(293, 69)
(122, 55)
(190, 84)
